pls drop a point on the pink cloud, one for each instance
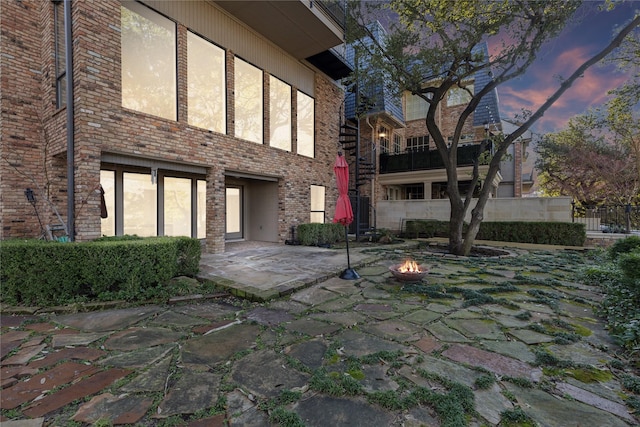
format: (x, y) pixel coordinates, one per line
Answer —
(543, 79)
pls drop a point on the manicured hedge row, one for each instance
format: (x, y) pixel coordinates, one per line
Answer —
(48, 273)
(317, 234)
(549, 233)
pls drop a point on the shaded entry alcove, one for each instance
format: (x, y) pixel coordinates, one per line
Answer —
(255, 202)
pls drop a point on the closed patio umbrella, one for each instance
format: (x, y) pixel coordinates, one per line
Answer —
(344, 212)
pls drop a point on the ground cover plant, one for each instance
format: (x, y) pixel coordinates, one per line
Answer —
(618, 273)
(530, 290)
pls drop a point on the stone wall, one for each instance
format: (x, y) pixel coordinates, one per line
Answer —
(391, 214)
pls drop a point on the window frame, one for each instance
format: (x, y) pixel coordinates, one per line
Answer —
(59, 53)
(311, 150)
(238, 93)
(317, 203)
(415, 108)
(383, 139)
(138, 106)
(288, 145)
(118, 197)
(459, 96)
(417, 143)
(222, 102)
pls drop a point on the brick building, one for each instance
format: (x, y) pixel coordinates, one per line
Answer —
(212, 119)
(394, 138)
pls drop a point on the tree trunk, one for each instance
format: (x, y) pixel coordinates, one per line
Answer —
(477, 215)
(456, 223)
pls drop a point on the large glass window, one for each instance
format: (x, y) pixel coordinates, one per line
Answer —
(418, 143)
(148, 204)
(108, 182)
(317, 204)
(206, 84)
(148, 61)
(139, 205)
(60, 55)
(414, 191)
(279, 114)
(177, 206)
(416, 108)
(201, 209)
(397, 143)
(383, 134)
(306, 125)
(248, 102)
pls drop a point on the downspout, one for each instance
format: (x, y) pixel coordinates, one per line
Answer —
(70, 119)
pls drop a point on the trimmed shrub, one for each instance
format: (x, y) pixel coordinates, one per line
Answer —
(550, 233)
(37, 272)
(427, 228)
(628, 244)
(318, 234)
(629, 263)
(545, 233)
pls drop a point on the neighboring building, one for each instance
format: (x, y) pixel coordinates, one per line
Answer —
(212, 119)
(516, 182)
(407, 161)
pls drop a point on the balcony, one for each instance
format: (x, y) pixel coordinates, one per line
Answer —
(426, 159)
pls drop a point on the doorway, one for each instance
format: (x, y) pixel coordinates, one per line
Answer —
(234, 212)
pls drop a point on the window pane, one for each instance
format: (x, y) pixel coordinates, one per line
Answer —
(148, 61)
(177, 207)
(416, 107)
(233, 209)
(306, 128)
(206, 84)
(139, 204)
(280, 114)
(108, 224)
(317, 203)
(383, 133)
(60, 56)
(202, 209)
(248, 102)
(459, 96)
(317, 217)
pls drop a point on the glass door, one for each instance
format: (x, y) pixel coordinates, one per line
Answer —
(233, 213)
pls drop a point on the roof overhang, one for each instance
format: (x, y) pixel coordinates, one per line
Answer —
(301, 28)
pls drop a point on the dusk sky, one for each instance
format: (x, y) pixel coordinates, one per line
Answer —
(561, 57)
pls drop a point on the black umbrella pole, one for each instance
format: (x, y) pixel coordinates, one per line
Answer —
(349, 273)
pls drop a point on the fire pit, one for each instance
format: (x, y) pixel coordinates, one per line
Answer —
(409, 271)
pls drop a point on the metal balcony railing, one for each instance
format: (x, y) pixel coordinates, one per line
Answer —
(334, 9)
(426, 159)
(608, 218)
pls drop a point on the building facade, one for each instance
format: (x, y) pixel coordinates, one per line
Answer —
(394, 137)
(216, 120)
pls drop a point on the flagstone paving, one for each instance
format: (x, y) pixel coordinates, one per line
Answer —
(477, 341)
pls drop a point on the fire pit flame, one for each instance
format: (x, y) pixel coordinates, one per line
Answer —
(409, 271)
(409, 266)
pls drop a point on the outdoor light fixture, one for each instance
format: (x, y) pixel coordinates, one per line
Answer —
(486, 127)
(31, 197)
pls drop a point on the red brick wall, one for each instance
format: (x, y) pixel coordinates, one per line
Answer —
(102, 125)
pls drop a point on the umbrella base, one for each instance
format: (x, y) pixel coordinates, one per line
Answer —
(349, 274)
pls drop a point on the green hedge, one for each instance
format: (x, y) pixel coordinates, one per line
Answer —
(549, 233)
(37, 272)
(318, 234)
